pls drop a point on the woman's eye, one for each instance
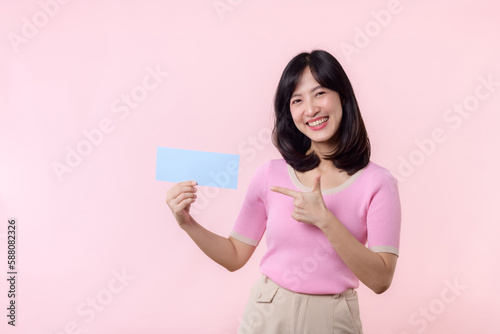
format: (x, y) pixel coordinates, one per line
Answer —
(320, 93)
(295, 101)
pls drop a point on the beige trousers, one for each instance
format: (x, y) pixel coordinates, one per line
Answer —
(272, 309)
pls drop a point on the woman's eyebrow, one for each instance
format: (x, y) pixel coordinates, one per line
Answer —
(312, 90)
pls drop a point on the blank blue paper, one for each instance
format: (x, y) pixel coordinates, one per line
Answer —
(207, 168)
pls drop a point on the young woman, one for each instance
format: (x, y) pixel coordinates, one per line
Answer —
(319, 205)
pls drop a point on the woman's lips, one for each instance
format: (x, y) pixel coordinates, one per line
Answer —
(318, 123)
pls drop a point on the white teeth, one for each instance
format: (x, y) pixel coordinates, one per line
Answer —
(318, 122)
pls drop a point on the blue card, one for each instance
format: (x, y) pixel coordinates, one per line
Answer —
(206, 168)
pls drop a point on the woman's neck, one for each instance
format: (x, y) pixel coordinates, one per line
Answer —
(322, 149)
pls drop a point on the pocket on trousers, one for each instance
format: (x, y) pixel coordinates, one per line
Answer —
(353, 307)
(266, 293)
(261, 313)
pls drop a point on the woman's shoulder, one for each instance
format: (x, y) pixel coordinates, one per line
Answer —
(271, 169)
(375, 173)
(264, 167)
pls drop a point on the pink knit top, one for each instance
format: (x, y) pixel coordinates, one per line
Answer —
(299, 256)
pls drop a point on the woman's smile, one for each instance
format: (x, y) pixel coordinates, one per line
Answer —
(318, 123)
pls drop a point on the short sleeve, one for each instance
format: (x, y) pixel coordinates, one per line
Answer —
(384, 215)
(251, 222)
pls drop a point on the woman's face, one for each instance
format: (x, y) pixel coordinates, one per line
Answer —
(316, 111)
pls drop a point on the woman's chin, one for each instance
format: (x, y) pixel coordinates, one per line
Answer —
(322, 140)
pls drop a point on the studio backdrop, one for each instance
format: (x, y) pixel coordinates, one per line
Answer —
(91, 91)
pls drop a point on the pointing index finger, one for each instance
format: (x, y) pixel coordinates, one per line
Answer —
(285, 191)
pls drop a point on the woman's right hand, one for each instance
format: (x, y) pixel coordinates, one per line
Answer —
(179, 199)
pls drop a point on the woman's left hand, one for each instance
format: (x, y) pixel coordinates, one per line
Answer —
(310, 207)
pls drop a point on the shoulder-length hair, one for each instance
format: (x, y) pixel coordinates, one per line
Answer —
(352, 146)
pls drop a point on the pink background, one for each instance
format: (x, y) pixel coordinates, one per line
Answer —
(67, 74)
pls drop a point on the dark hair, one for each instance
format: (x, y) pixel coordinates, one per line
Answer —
(351, 139)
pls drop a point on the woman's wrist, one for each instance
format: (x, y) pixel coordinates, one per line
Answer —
(326, 222)
(187, 224)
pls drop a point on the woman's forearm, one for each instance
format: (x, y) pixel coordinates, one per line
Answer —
(373, 269)
(216, 247)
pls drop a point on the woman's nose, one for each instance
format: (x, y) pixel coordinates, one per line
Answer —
(311, 108)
